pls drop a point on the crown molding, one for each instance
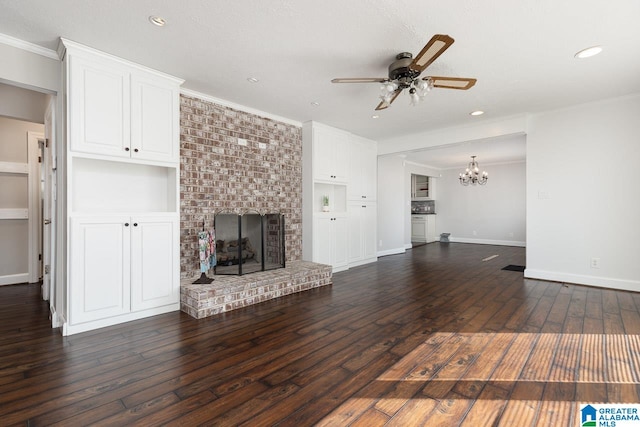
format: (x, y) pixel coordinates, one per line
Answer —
(30, 47)
(225, 103)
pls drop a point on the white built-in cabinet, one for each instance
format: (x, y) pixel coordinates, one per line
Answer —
(342, 168)
(120, 111)
(331, 246)
(362, 236)
(330, 160)
(122, 202)
(362, 173)
(423, 228)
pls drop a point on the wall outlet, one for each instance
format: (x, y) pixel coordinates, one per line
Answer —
(380, 243)
(242, 142)
(475, 233)
(511, 234)
(595, 262)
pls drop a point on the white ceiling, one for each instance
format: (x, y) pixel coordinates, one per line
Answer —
(521, 52)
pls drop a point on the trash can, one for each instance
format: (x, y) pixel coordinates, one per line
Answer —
(444, 237)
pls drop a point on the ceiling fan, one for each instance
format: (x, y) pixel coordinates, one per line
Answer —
(404, 74)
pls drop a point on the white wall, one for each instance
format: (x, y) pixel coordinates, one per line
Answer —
(496, 211)
(391, 205)
(22, 104)
(583, 200)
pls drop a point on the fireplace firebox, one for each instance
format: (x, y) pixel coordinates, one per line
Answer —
(249, 242)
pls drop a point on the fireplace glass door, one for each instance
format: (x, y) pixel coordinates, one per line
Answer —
(249, 242)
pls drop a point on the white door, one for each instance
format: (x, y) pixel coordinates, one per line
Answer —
(154, 106)
(155, 279)
(99, 283)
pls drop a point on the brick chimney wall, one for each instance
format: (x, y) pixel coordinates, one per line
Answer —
(216, 173)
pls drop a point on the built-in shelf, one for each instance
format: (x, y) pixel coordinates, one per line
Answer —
(337, 197)
(105, 186)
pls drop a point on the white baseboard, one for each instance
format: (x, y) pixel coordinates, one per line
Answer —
(12, 279)
(68, 329)
(392, 251)
(488, 242)
(57, 320)
(603, 282)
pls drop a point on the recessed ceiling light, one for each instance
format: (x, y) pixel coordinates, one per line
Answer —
(588, 52)
(252, 80)
(375, 116)
(315, 103)
(157, 20)
(476, 113)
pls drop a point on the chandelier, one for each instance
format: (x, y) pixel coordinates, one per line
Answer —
(472, 174)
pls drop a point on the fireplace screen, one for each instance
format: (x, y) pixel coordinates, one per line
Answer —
(249, 242)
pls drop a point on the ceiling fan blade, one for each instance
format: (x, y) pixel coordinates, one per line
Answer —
(384, 105)
(460, 83)
(431, 51)
(360, 80)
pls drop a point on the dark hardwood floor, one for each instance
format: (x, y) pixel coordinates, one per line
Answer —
(434, 337)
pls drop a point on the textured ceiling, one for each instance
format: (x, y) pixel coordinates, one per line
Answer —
(521, 52)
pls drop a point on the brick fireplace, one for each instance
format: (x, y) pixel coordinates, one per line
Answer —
(218, 174)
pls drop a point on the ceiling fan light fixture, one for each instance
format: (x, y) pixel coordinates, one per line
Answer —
(588, 52)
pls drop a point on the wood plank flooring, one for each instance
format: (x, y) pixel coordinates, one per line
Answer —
(432, 337)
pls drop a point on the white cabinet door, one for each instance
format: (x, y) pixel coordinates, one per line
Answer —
(418, 229)
(330, 243)
(355, 213)
(99, 110)
(340, 242)
(323, 240)
(154, 262)
(99, 268)
(330, 155)
(363, 165)
(362, 231)
(154, 118)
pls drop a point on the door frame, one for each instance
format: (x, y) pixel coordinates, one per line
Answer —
(33, 162)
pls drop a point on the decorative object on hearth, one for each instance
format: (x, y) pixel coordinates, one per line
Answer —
(404, 73)
(207, 254)
(472, 174)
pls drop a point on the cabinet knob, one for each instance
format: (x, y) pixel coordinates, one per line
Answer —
(126, 224)
(126, 148)
(135, 150)
(135, 224)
